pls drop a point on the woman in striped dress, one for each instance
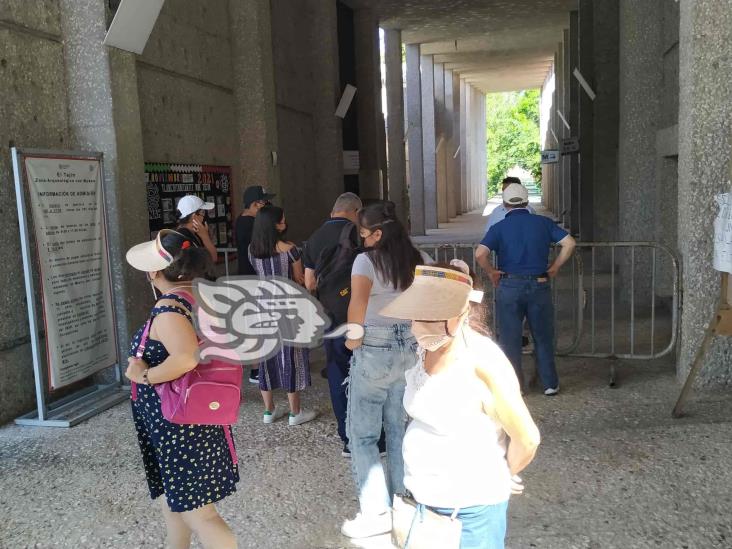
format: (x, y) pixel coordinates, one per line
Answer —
(289, 369)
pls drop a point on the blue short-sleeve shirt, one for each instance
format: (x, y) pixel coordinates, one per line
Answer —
(522, 242)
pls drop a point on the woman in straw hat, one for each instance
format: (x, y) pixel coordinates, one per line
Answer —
(191, 465)
(380, 358)
(471, 432)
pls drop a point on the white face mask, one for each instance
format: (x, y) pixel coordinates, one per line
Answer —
(431, 336)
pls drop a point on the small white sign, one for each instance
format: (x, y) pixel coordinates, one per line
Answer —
(132, 24)
(550, 156)
(723, 234)
(351, 162)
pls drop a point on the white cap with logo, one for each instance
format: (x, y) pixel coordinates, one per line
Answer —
(190, 203)
(515, 194)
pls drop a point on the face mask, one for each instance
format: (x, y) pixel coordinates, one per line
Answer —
(431, 336)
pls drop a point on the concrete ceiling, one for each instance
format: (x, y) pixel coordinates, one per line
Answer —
(497, 45)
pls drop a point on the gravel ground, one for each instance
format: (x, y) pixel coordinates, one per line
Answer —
(613, 470)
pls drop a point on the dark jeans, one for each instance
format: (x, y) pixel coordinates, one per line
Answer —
(338, 365)
(517, 299)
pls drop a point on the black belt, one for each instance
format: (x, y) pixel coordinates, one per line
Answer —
(525, 277)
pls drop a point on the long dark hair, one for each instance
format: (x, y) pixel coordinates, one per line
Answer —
(264, 234)
(394, 256)
(189, 261)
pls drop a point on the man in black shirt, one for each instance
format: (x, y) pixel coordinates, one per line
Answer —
(255, 199)
(338, 357)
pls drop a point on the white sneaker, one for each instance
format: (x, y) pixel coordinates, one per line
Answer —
(303, 417)
(365, 526)
(551, 391)
(269, 417)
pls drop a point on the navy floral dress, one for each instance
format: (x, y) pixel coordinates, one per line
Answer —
(190, 464)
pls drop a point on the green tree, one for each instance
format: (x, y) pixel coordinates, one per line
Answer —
(512, 135)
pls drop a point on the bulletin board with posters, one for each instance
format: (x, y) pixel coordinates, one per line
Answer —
(167, 183)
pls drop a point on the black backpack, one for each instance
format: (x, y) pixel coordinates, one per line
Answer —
(333, 275)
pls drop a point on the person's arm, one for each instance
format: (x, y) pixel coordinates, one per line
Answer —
(360, 291)
(310, 280)
(297, 272)
(567, 245)
(483, 257)
(201, 229)
(513, 415)
(176, 333)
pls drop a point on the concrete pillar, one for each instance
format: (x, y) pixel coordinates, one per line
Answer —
(585, 119)
(463, 147)
(254, 95)
(470, 147)
(103, 115)
(568, 132)
(705, 169)
(574, 119)
(395, 123)
(482, 167)
(441, 145)
(605, 120)
(428, 142)
(370, 117)
(414, 141)
(326, 126)
(452, 141)
(561, 131)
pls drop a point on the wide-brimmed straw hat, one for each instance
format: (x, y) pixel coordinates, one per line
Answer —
(157, 254)
(435, 294)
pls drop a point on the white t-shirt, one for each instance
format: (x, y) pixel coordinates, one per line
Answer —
(499, 214)
(454, 453)
(382, 293)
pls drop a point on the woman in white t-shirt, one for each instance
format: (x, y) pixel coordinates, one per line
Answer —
(471, 432)
(380, 358)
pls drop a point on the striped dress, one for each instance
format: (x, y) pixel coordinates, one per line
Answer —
(290, 368)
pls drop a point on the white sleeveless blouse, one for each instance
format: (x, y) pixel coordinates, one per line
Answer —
(454, 453)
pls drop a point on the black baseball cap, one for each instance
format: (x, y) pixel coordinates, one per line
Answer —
(254, 193)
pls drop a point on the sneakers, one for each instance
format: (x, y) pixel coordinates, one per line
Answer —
(551, 391)
(254, 376)
(346, 453)
(269, 417)
(365, 526)
(303, 417)
(382, 448)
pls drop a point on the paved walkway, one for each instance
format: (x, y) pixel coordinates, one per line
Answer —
(613, 471)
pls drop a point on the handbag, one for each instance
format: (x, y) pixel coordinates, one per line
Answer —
(415, 526)
(210, 394)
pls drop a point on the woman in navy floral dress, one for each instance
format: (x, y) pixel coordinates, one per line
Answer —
(193, 466)
(289, 369)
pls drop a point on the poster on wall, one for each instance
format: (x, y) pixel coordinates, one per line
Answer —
(168, 183)
(66, 200)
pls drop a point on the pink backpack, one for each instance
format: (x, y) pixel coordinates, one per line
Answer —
(210, 394)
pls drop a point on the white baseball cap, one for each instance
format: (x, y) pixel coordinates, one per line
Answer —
(515, 194)
(190, 203)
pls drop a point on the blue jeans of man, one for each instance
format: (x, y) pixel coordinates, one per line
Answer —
(483, 526)
(338, 365)
(376, 390)
(517, 299)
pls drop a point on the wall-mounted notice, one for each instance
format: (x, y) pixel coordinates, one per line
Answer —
(723, 234)
(65, 196)
(168, 183)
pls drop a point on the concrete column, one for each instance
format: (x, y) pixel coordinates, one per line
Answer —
(463, 147)
(470, 147)
(452, 141)
(414, 141)
(568, 132)
(103, 115)
(326, 126)
(585, 121)
(395, 123)
(640, 84)
(574, 118)
(428, 142)
(561, 131)
(441, 145)
(254, 95)
(370, 117)
(482, 169)
(605, 120)
(705, 169)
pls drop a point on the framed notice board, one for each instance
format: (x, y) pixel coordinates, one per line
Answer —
(168, 183)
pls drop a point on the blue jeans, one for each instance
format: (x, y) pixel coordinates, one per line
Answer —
(517, 299)
(338, 364)
(376, 390)
(484, 526)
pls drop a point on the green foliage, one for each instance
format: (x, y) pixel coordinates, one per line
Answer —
(512, 135)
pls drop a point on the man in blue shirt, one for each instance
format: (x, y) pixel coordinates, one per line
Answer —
(522, 243)
(500, 211)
